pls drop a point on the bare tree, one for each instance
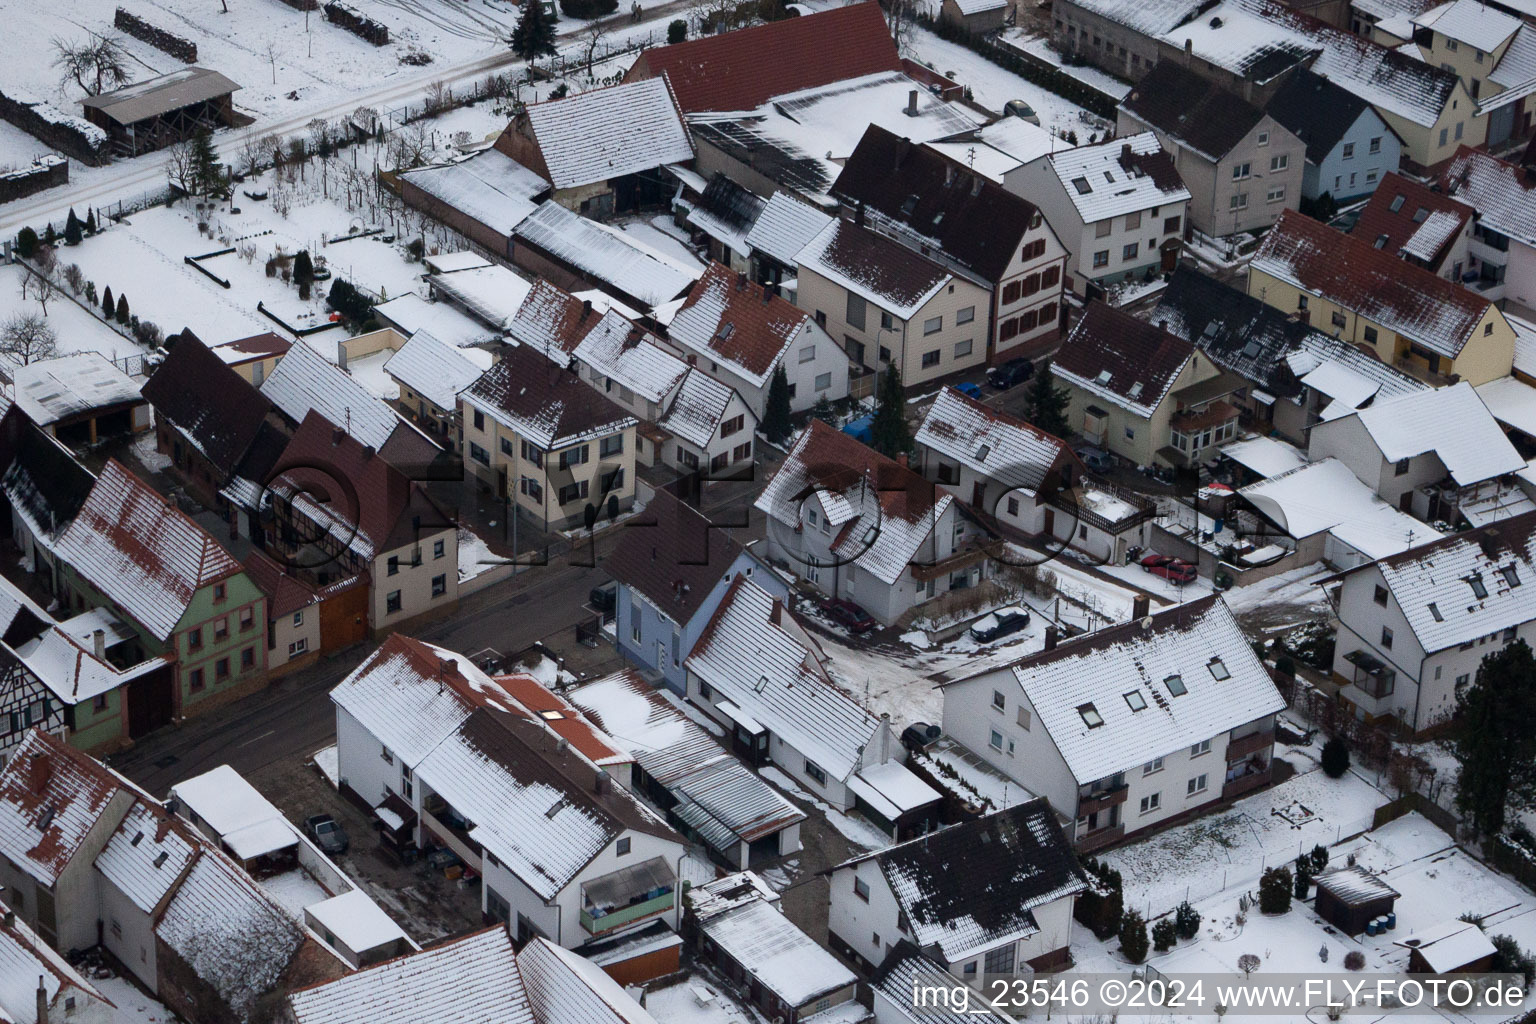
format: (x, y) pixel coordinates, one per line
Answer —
(902, 18)
(270, 52)
(409, 146)
(75, 278)
(591, 38)
(41, 283)
(26, 338)
(319, 134)
(251, 155)
(96, 65)
(438, 96)
(181, 166)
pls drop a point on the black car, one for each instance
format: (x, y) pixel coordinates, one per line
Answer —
(999, 624)
(919, 736)
(327, 833)
(1005, 375)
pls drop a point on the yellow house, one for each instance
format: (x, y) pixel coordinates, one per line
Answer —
(253, 358)
(1410, 318)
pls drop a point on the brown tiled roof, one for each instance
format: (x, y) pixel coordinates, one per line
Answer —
(550, 405)
(1205, 117)
(672, 554)
(563, 719)
(744, 69)
(285, 592)
(887, 272)
(551, 318)
(761, 323)
(257, 346)
(1380, 223)
(975, 221)
(51, 796)
(216, 408)
(1141, 359)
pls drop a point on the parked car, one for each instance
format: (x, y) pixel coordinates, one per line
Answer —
(1096, 460)
(998, 624)
(1020, 109)
(327, 833)
(1005, 375)
(603, 599)
(1174, 570)
(919, 736)
(969, 390)
(848, 615)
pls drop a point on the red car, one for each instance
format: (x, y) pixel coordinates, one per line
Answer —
(1173, 570)
(848, 615)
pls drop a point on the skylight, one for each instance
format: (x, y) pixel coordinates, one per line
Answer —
(1104, 376)
(1135, 391)
(161, 858)
(1252, 349)
(1109, 177)
(1176, 685)
(1475, 581)
(1381, 242)
(762, 684)
(1434, 609)
(1136, 701)
(1511, 575)
(1218, 669)
(551, 716)
(1419, 215)
(138, 837)
(983, 452)
(1397, 203)
(1082, 186)
(1091, 717)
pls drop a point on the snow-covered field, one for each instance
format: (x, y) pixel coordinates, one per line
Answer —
(77, 330)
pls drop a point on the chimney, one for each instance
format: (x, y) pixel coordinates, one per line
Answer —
(10, 918)
(885, 736)
(776, 616)
(599, 782)
(450, 666)
(976, 185)
(586, 310)
(42, 1001)
(99, 642)
(1140, 605)
(1050, 638)
(858, 214)
(1125, 154)
(741, 280)
(1189, 48)
(767, 295)
(1162, 325)
(912, 103)
(336, 435)
(368, 452)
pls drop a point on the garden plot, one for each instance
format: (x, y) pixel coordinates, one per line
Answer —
(78, 330)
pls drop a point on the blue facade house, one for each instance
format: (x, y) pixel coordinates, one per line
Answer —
(1350, 149)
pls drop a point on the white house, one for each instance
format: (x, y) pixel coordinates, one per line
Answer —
(1130, 727)
(988, 898)
(906, 970)
(1503, 247)
(1414, 627)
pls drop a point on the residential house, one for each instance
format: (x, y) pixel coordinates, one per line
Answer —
(602, 150)
(80, 398)
(1242, 167)
(1503, 248)
(530, 430)
(1494, 53)
(1350, 149)
(906, 970)
(207, 415)
(785, 226)
(1017, 476)
(483, 198)
(44, 486)
(719, 213)
(1130, 727)
(88, 859)
(857, 525)
(1144, 394)
(61, 991)
(293, 615)
(183, 595)
(1410, 317)
(562, 852)
(1438, 454)
(431, 374)
(1296, 374)
(970, 224)
(253, 358)
(1421, 225)
(757, 672)
(990, 898)
(1119, 207)
(705, 792)
(672, 564)
(739, 928)
(893, 308)
(575, 253)
(741, 333)
(1119, 36)
(1415, 626)
(340, 510)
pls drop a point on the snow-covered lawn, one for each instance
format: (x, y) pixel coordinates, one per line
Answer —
(475, 556)
(328, 760)
(1040, 46)
(696, 1000)
(77, 330)
(369, 371)
(295, 890)
(1169, 591)
(133, 1006)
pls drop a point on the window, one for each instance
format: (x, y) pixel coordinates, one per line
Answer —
(1241, 171)
(1370, 335)
(999, 960)
(392, 602)
(1136, 701)
(1459, 125)
(1091, 717)
(621, 847)
(1203, 747)
(1376, 144)
(814, 772)
(1280, 163)
(808, 354)
(1154, 765)
(1013, 505)
(966, 315)
(533, 455)
(933, 325)
(479, 454)
(1475, 581)
(1400, 467)
(196, 680)
(930, 359)
(1349, 151)
(1337, 319)
(821, 319)
(962, 349)
(999, 701)
(996, 742)
(823, 381)
(1101, 258)
(1196, 785)
(855, 311)
(1380, 595)
(1218, 669)
(1130, 433)
(221, 629)
(969, 970)
(1176, 685)
(1511, 574)
(1386, 637)
(532, 488)
(247, 618)
(611, 445)
(1151, 803)
(573, 457)
(221, 669)
(887, 321)
(613, 480)
(506, 446)
(439, 549)
(1263, 138)
(1103, 228)
(99, 702)
(578, 490)
(218, 592)
(1275, 195)
(1238, 202)
(298, 617)
(861, 888)
(741, 451)
(247, 658)
(394, 566)
(439, 584)
(1130, 251)
(1301, 302)
(1443, 134)
(732, 425)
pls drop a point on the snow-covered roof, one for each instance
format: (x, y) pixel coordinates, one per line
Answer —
(729, 318)
(994, 444)
(547, 405)
(147, 556)
(356, 921)
(489, 187)
(52, 390)
(619, 349)
(161, 94)
(1266, 456)
(1450, 946)
(1123, 674)
(305, 380)
(1426, 240)
(874, 267)
(491, 294)
(1453, 423)
(1340, 383)
(785, 226)
(448, 262)
(891, 789)
(1149, 17)
(907, 969)
(1122, 359)
(552, 321)
(412, 313)
(756, 655)
(884, 512)
(146, 855)
(697, 408)
(975, 885)
(1380, 9)
(1325, 495)
(1512, 402)
(607, 133)
(436, 371)
(232, 808)
(1472, 22)
(566, 988)
(1347, 364)
(68, 665)
(1101, 184)
(1516, 72)
(607, 257)
(1501, 193)
(474, 978)
(776, 954)
(1354, 884)
(26, 962)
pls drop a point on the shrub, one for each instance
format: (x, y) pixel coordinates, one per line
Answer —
(345, 299)
(147, 333)
(1286, 666)
(1471, 918)
(677, 32)
(73, 229)
(1509, 958)
(1187, 920)
(1354, 960)
(1248, 963)
(272, 267)
(1319, 859)
(90, 292)
(1275, 891)
(1303, 876)
(1133, 937)
(122, 310)
(1336, 757)
(26, 243)
(108, 304)
(1102, 905)
(1164, 935)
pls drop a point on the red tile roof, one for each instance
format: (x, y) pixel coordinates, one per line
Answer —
(51, 796)
(285, 592)
(1142, 360)
(744, 69)
(762, 324)
(1379, 220)
(563, 719)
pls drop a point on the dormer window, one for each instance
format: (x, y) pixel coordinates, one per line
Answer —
(1135, 391)
(983, 452)
(1136, 701)
(1176, 685)
(1091, 717)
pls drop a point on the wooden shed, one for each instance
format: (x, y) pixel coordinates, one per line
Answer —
(1350, 897)
(1453, 947)
(160, 111)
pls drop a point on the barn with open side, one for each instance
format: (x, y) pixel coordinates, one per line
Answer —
(159, 112)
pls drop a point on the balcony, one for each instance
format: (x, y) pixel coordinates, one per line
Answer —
(972, 552)
(1245, 783)
(1100, 838)
(1240, 748)
(1103, 800)
(628, 895)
